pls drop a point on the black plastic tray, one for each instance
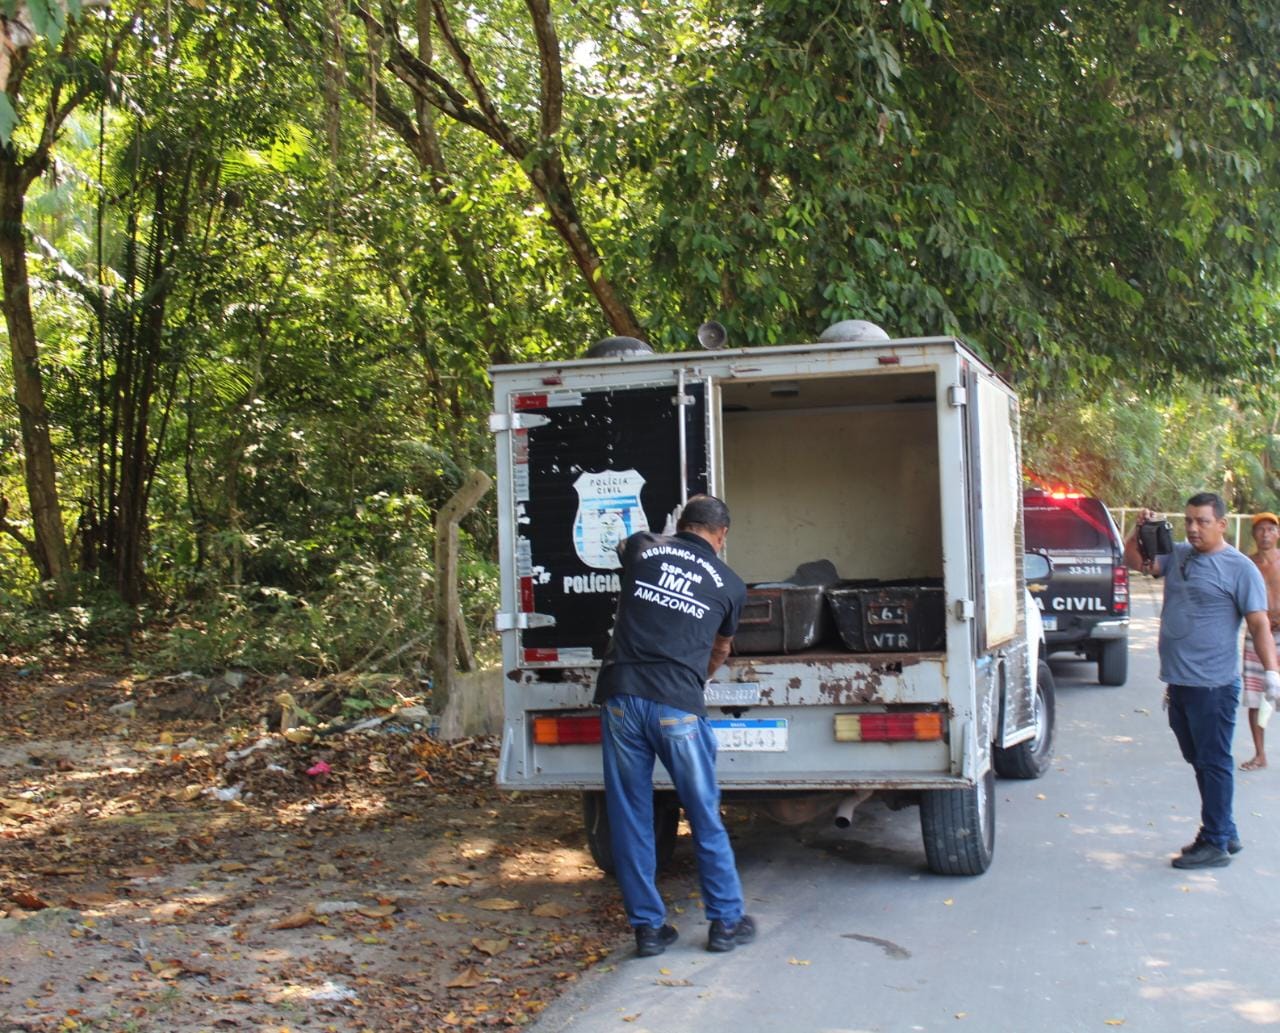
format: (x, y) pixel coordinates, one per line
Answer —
(907, 616)
(782, 618)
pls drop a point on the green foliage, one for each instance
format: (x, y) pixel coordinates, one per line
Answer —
(361, 616)
(1085, 191)
(94, 617)
(1133, 447)
(307, 300)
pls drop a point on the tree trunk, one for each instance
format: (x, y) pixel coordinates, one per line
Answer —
(52, 555)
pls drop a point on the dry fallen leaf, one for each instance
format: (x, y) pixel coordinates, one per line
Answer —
(672, 982)
(796, 961)
(451, 916)
(465, 979)
(165, 969)
(142, 871)
(1115, 1022)
(296, 920)
(949, 901)
(381, 911)
(86, 900)
(631, 1018)
(498, 904)
(491, 947)
(551, 910)
(28, 900)
(451, 880)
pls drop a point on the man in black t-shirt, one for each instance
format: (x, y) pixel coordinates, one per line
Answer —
(677, 613)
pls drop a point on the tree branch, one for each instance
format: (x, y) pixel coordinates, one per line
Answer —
(427, 82)
(28, 545)
(551, 94)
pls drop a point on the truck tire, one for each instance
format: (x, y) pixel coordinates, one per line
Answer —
(1113, 662)
(959, 827)
(595, 817)
(1031, 759)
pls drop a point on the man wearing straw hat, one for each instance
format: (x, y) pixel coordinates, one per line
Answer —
(1266, 535)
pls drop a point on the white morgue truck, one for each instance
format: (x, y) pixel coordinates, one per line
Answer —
(886, 646)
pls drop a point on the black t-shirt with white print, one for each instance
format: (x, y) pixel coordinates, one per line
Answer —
(677, 596)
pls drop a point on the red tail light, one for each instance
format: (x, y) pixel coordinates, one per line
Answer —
(1120, 589)
(566, 731)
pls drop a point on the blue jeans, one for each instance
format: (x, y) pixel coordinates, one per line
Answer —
(1204, 720)
(634, 731)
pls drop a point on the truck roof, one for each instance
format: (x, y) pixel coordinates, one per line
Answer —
(658, 358)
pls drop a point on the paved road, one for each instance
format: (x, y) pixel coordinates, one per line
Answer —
(1079, 925)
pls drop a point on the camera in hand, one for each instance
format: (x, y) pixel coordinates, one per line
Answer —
(1155, 538)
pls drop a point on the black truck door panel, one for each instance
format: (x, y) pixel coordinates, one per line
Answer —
(604, 465)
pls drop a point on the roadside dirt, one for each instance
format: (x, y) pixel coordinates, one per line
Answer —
(399, 890)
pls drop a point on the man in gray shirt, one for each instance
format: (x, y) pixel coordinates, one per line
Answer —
(1208, 587)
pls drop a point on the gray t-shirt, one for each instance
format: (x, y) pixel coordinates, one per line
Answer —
(1205, 597)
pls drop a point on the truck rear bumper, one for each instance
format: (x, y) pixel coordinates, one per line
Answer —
(730, 786)
(1103, 631)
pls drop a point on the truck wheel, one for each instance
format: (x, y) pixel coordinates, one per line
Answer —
(959, 827)
(1030, 759)
(595, 816)
(1113, 662)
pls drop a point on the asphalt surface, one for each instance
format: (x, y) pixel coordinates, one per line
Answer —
(1080, 924)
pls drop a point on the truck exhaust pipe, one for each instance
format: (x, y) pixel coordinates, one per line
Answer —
(844, 812)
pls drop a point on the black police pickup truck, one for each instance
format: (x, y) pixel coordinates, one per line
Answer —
(1085, 600)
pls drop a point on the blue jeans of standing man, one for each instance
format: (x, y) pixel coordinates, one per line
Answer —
(1204, 720)
(634, 732)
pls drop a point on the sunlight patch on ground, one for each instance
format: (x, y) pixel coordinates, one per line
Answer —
(1113, 860)
(1206, 991)
(1260, 1012)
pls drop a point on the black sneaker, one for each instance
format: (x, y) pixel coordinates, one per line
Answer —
(1206, 855)
(651, 941)
(725, 937)
(1234, 846)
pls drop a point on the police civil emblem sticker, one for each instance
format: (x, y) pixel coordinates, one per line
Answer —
(609, 512)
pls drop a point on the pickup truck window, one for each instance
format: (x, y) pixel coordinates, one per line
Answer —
(1067, 524)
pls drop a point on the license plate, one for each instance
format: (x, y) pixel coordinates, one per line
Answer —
(760, 735)
(1050, 623)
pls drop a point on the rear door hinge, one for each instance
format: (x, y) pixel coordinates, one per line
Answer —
(519, 621)
(504, 421)
(964, 609)
(957, 396)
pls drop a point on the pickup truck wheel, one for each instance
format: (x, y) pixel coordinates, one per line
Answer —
(1113, 662)
(1030, 759)
(595, 816)
(959, 827)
